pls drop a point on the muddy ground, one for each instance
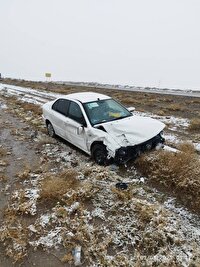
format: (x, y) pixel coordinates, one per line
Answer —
(16, 139)
(148, 225)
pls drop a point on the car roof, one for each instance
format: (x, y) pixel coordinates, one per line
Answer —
(85, 97)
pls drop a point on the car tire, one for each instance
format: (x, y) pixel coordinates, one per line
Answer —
(50, 130)
(99, 154)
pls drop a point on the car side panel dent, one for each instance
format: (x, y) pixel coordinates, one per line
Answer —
(96, 135)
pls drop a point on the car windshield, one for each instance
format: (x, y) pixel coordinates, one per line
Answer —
(105, 110)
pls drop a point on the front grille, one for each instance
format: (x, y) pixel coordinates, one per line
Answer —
(132, 152)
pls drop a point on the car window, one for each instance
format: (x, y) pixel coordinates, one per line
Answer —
(105, 110)
(61, 106)
(75, 113)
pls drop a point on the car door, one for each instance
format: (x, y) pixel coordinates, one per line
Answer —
(77, 136)
(59, 117)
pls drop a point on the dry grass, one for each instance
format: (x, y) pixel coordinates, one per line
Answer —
(31, 107)
(24, 174)
(43, 139)
(29, 112)
(160, 112)
(4, 163)
(175, 107)
(54, 187)
(3, 152)
(27, 107)
(145, 212)
(178, 172)
(194, 125)
(123, 195)
(187, 147)
(14, 237)
(3, 178)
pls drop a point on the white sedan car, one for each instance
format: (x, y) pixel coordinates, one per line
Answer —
(101, 127)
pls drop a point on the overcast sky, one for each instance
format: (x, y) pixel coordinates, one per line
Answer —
(135, 42)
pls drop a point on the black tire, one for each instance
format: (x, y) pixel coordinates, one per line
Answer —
(50, 130)
(99, 154)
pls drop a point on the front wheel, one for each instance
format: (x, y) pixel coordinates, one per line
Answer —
(100, 154)
(50, 130)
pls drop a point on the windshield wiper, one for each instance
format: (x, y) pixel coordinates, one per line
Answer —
(114, 119)
(119, 118)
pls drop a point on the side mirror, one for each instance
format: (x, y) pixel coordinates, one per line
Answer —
(131, 109)
(80, 130)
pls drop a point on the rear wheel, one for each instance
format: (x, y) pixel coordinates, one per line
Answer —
(99, 154)
(50, 130)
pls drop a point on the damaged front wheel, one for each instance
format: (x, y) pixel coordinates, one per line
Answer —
(100, 154)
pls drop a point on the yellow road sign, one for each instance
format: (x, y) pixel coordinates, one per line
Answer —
(48, 75)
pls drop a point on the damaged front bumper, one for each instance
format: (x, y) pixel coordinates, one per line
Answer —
(124, 154)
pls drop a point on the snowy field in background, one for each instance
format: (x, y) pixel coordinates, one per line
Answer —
(184, 92)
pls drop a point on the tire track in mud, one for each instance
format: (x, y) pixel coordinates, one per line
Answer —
(15, 138)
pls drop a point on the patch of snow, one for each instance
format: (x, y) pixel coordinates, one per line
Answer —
(27, 94)
(3, 106)
(32, 228)
(171, 149)
(172, 121)
(52, 239)
(44, 219)
(175, 122)
(73, 207)
(98, 212)
(171, 138)
(197, 146)
(189, 221)
(142, 180)
(33, 195)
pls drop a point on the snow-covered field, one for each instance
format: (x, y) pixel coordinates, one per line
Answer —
(184, 92)
(138, 227)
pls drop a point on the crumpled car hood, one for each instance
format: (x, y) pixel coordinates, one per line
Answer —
(133, 130)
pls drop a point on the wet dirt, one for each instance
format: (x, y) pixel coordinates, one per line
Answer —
(19, 150)
(15, 139)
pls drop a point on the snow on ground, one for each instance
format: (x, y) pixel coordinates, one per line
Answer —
(40, 97)
(197, 146)
(117, 227)
(27, 94)
(120, 223)
(172, 138)
(3, 106)
(173, 122)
